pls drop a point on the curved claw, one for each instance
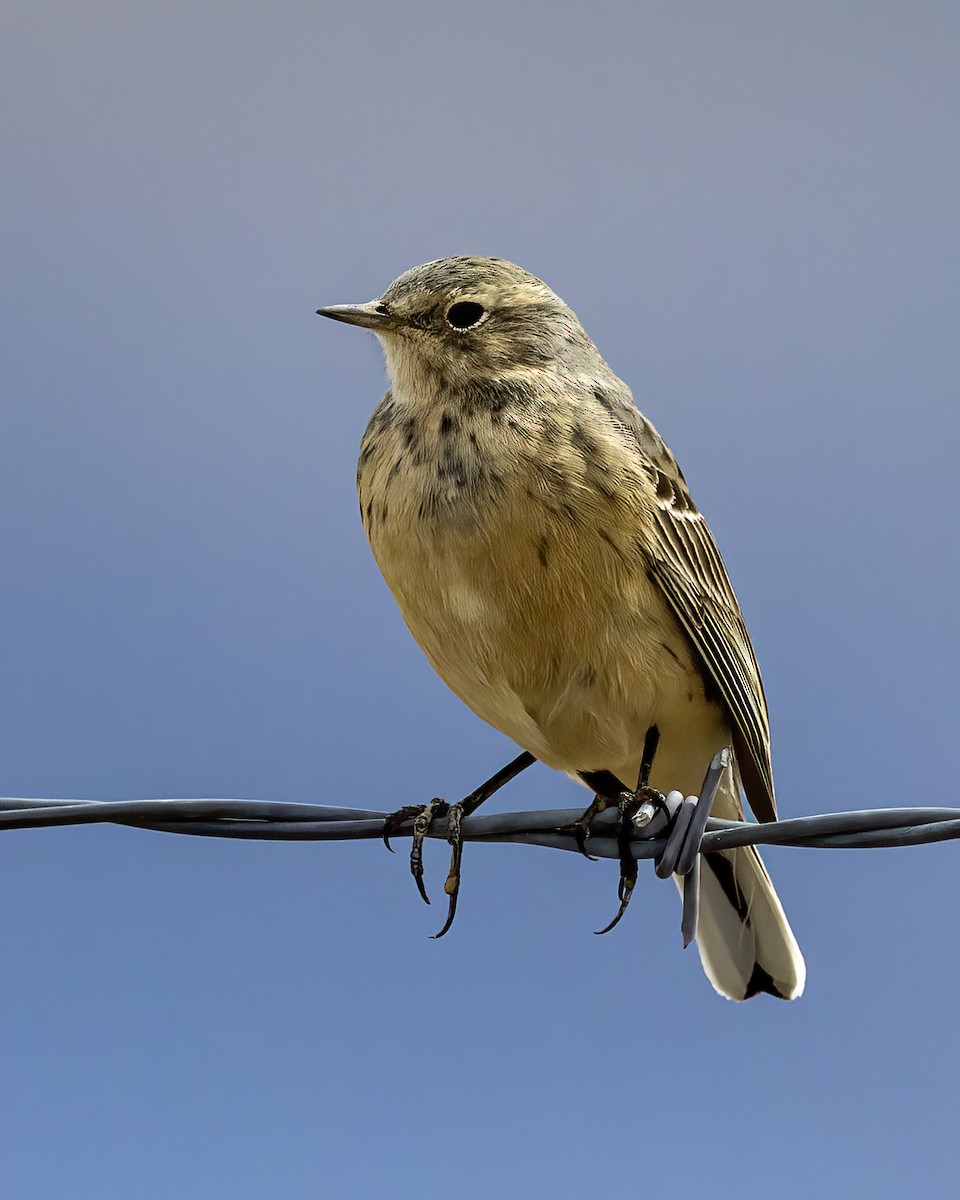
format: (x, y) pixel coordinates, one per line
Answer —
(625, 895)
(581, 833)
(581, 830)
(418, 880)
(416, 866)
(626, 807)
(421, 827)
(452, 883)
(396, 820)
(451, 913)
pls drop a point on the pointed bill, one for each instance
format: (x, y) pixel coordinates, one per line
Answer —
(373, 315)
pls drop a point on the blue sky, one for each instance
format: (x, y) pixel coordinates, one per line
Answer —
(753, 208)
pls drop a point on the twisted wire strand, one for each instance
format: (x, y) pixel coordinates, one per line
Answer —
(674, 831)
(275, 820)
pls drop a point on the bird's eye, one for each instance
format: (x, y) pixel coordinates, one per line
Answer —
(465, 314)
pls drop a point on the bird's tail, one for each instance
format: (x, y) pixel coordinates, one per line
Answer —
(745, 941)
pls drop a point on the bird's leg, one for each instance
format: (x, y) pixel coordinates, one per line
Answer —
(423, 816)
(630, 805)
(607, 789)
(610, 790)
(470, 804)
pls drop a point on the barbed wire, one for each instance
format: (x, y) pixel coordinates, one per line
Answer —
(674, 833)
(862, 829)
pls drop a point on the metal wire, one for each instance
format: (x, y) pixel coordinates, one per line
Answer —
(675, 834)
(273, 820)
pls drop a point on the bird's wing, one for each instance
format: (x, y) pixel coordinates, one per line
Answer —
(686, 563)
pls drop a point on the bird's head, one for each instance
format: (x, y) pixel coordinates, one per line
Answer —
(459, 320)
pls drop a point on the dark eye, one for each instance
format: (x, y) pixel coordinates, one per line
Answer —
(465, 314)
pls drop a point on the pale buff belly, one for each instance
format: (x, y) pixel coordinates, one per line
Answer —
(560, 642)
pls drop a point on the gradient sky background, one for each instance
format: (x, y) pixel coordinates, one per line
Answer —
(754, 209)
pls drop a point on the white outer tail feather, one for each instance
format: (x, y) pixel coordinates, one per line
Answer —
(745, 946)
(744, 955)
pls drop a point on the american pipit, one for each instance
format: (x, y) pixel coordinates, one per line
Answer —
(546, 554)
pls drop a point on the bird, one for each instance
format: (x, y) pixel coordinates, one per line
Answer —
(546, 554)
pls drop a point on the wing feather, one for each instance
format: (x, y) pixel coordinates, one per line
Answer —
(685, 562)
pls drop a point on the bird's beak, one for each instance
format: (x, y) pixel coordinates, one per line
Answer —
(371, 316)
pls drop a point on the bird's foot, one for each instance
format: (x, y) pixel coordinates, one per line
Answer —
(423, 817)
(635, 810)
